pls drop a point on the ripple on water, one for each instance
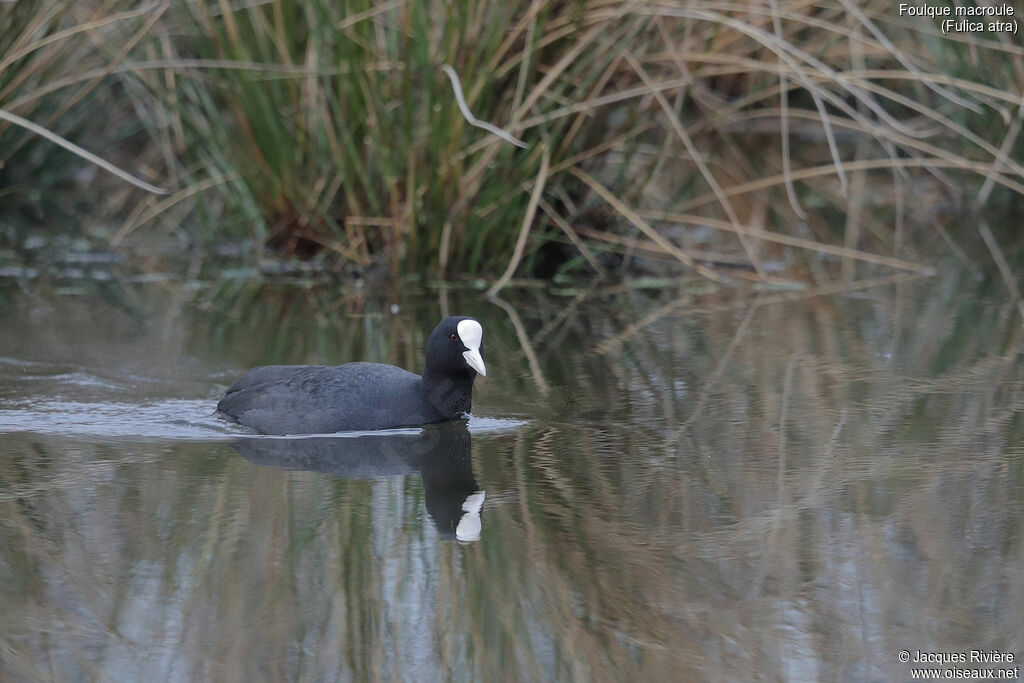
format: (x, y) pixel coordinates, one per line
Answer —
(175, 419)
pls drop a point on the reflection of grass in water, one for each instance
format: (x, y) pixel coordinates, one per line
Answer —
(321, 125)
(875, 480)
(617, 542)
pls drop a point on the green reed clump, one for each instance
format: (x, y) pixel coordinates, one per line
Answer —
(686, 132)
(328, 125)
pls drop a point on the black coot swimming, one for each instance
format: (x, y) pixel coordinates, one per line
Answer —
(316, 399)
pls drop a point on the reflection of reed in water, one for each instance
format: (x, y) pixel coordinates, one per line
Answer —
(441, 455)
(710, 496)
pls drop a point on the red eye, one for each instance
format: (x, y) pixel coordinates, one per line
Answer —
(453, 337)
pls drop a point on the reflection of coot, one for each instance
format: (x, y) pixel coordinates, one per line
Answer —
(440, 454)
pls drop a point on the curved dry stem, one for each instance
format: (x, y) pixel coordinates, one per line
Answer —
(83, 153)
(468, 115)
(524, 230)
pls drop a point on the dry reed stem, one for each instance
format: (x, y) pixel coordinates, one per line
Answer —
(571, 234)
(524, 230)
(788, 240)
(865, 124)
(596, 102)
(640, 244)
(894, 51)
(784, 119)
(566, 61)
(510, 41)
(358, 17)
(113, 62)
(782, 49)
(21, 45)
(35, 25)
(706, 101)
(909, 144)
(896, 136)
(460, 100)
(1004, 150)
(17, 53)
(185, 65)
(741, 65)
(604, 146)
(854, 208)
(181, 195)
(1000, 260)
(526, 53)
(581, 118)
(698, 159)
(470, 183)
(78, 151)
(982, 168)
(951, 125)
(640, 223)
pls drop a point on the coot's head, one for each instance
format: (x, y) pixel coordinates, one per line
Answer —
(456, 348)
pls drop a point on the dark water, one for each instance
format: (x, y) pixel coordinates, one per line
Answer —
(667, 484)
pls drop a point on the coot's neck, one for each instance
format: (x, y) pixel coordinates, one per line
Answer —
(449, 394)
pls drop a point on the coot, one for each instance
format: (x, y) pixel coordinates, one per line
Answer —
(316, 399)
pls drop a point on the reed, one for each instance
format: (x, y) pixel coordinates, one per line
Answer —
(332, 128)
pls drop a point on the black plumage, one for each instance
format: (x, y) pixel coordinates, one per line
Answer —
(317, 399)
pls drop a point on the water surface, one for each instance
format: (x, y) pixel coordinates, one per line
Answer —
(669, 484)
